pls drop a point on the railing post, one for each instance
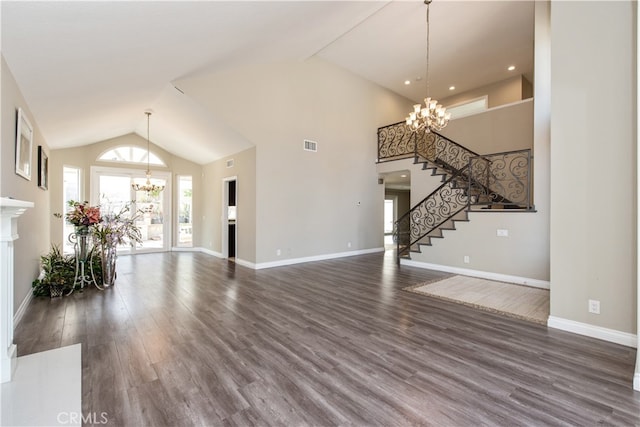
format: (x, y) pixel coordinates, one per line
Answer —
(378, 154)
(469, 178)
(529, 204)
(488, 178)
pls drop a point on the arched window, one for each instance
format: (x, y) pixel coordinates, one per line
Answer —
(130, 154)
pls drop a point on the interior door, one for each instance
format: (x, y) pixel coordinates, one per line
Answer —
(229, 218)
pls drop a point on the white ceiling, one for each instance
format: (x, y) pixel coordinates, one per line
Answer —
(89, 70)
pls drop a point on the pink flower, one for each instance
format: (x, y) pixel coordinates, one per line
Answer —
(81, 214)
(92, 215)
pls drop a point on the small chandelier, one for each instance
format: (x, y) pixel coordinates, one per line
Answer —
(148, 187)
(432, 116)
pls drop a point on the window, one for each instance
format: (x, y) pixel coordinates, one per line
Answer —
(130, 154)
(185, 212)
(468, 108)
(70, 191)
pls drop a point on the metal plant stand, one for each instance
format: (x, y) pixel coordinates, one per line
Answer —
(82, 246)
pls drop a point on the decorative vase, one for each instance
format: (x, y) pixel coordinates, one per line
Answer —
(83, 248)
(82, 240)
(108, 258)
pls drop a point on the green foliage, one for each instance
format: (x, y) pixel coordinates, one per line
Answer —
(59, 271)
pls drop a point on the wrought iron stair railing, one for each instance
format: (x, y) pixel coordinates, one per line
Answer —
(433, 150)
(483, 182)
(439, 151)
(431, 215)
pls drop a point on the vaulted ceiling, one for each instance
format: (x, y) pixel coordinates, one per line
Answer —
(89, 70)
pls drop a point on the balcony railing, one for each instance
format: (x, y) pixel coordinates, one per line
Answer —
(501, 180)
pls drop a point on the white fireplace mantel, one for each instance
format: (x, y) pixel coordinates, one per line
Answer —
(10, 210)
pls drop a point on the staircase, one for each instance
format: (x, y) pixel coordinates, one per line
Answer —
(470, 182)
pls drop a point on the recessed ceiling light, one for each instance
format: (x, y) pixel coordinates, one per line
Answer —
(403, 176)
(511, 67)
(407, 82)
(452, 88)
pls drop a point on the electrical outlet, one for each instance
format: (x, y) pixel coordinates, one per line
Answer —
(278, 252)
(466, 259)
(348, 244)
(502, 232)
(594, 306)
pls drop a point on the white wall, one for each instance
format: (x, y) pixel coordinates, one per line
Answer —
(593, 207)
(244, 170)
(307, 204)
(33, 225)
(497, 130)
(506, 91)
(541, 122)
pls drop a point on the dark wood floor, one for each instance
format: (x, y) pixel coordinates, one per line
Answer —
(188, 339)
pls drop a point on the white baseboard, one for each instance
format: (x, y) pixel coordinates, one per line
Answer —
(323, 257)
(636, 380)
(22, 309)
(536, 283)
(605, 334)
(185, 249)
(196, 249)
(290, 261)
(244, 263)
(208, 251)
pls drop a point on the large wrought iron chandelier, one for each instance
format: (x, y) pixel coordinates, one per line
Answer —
(148, 186)
(431, 116)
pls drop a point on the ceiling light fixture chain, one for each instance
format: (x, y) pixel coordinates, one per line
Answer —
(427, 2)
(148, 187)
(432, 116)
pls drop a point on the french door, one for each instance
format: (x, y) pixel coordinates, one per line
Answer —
(111, 189)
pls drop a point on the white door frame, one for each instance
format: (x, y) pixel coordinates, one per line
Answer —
(225, 216)
(96, 171)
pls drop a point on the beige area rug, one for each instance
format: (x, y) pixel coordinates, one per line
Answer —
(522, 302)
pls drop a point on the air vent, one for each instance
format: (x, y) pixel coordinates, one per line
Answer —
(230, 163)
(310, 145)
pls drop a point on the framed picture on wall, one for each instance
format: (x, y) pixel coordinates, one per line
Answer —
(24, 145)
(43, 168)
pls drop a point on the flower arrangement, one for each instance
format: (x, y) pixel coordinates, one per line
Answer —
(108, 230)
(117, 228)
(82, 214)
